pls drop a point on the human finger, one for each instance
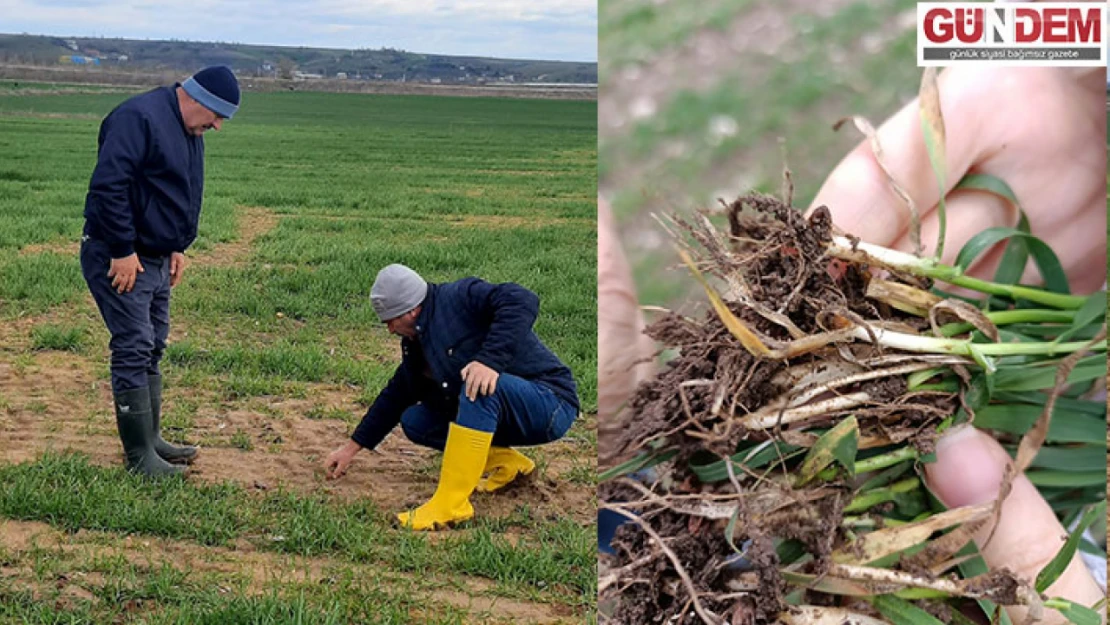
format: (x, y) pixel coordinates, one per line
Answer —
(1078, 242)
(858, 192)
(334, 466)
(624, 352)
(175, 271)
(968, 471)
(968, 213)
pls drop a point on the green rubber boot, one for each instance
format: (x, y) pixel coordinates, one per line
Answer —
(133, 420)
(171, 453)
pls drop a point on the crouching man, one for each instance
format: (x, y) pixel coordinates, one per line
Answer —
(474, 382)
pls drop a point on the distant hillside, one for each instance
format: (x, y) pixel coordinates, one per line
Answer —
(289, 63)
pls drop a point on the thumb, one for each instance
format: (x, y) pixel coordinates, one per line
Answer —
(968, 471)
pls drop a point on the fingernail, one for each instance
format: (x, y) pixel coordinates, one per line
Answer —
(956, 436)
(969, 467)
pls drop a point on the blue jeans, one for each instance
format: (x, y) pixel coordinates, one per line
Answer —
(518, 413)
(608, 521)
(139, 321)
(607, 524)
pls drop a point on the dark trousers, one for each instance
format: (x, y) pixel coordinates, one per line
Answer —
(519, 413)
(139, 321)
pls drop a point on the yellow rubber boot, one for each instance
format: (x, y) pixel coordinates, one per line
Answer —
(503, 465)
(463, 459)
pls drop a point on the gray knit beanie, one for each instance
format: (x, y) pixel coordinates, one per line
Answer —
(396, 291)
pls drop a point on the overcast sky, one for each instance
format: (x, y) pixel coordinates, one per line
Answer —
(563, 30)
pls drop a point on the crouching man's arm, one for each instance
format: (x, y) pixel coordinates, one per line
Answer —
(511, 310)
(384, 415)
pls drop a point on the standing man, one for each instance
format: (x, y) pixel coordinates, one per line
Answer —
(141, 213)
(474, 381)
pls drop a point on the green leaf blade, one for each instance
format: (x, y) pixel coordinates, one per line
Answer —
(902, 612)
(1052, 571)
(839, 445)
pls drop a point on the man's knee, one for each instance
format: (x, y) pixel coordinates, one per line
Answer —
(422, 427)
(410, 428)
(484, 403)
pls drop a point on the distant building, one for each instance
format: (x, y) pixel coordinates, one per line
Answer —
(77, 59)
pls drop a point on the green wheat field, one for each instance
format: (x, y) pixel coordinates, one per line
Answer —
(275, 355)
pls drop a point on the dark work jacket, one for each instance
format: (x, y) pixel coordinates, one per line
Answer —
(461, 322)
(146, 189)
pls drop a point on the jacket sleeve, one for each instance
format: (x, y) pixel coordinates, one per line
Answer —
(124, 138)
(512, 310)
(385, 413)
(198, 181)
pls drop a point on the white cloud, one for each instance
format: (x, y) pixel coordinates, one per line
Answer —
(553, 29)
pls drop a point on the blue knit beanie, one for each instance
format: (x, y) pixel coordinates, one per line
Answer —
(216, 89)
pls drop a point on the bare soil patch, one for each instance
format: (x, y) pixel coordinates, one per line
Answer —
(253, 222)
(60, 402)
(63, 248)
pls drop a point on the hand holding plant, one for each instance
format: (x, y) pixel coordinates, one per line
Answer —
(794, 429)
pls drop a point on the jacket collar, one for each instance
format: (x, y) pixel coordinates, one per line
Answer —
(175, 104)
(427, 310)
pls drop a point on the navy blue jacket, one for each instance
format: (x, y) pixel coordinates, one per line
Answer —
(460, 322)
(145, 193)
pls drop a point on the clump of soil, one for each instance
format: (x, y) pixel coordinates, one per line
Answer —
(782, 266)
(724, 540)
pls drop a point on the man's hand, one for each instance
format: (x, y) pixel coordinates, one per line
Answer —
(968, 471)
(1056, 171)
(337, 462)
(124, 271)
(1056, 168)
(624, 352)
(177, 267)
(480, 380)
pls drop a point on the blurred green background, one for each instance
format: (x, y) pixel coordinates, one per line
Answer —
(703, 99)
